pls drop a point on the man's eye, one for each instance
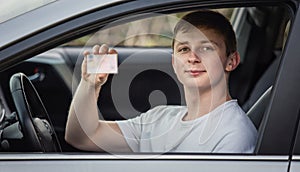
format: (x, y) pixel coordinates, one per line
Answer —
(184, 49)
(207, 48)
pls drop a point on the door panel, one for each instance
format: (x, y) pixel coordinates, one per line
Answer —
(174, 163)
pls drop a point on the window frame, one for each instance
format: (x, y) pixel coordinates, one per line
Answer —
(89, 22)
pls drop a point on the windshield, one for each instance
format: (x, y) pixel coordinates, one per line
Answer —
(12, 8)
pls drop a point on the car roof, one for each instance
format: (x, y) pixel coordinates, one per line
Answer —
(44, 16)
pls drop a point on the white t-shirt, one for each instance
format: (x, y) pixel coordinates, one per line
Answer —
(226, 129)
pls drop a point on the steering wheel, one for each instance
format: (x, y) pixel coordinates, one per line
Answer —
(33, 118)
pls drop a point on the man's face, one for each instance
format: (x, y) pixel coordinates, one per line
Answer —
(200, 58)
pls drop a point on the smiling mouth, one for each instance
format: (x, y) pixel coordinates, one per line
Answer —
(195, 72)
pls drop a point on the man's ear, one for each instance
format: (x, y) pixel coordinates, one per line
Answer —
(232, 61)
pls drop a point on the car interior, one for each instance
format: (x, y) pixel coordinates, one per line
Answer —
(145, 78)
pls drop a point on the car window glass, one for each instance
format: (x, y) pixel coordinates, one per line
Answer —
(13, 8)
(252, 31)
(146, 78)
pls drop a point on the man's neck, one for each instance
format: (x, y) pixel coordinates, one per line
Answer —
(201, 102)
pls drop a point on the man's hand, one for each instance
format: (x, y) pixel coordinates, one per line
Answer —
(95, 79)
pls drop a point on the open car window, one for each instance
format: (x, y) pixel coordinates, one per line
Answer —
(146, 78)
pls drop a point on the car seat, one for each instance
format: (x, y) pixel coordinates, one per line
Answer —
(256, 112)
(265, 82)
(258, 101)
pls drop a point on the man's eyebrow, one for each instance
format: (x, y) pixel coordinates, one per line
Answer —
(202, 42)
(181, 43)
(210, 41)
(178, 43)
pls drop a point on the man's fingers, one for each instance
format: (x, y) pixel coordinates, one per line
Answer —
(112, 51)
(84, 65)
(103, 49)
(96, 49)
(99, 78)
(85, 53)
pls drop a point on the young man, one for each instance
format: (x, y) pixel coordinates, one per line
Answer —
(204, 53)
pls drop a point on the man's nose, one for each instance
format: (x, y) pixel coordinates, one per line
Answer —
(194, 58)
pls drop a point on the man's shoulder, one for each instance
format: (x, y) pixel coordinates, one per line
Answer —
(235, 120)
(232, 110)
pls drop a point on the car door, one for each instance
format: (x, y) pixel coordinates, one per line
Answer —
(295, 159)
(276, 133)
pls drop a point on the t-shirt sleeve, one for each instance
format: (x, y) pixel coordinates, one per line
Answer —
(131, 130)
(237, 142)
(240, 135)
